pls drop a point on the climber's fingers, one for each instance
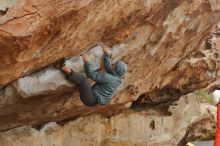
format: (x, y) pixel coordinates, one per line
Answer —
(85, 58)
(106, 50)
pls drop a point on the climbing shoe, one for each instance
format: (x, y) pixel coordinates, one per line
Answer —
(60, 63)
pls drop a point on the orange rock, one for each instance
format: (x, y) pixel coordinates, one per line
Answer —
(158, 37)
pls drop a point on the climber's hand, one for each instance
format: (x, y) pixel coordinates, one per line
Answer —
(106, 50)
(85, 58)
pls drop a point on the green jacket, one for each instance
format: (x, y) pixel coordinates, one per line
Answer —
(106, 82)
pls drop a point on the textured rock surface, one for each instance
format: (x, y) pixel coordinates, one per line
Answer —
(215, 43)
(163, 43)
(148, 127)
(54, 29)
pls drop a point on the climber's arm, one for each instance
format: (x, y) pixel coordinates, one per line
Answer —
(90, 72)
(107, 63)
(107, 60)
(94, 75)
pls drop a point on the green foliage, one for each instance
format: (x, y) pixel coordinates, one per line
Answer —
(205, 96)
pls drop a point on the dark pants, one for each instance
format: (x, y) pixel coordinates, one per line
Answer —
(85, 90)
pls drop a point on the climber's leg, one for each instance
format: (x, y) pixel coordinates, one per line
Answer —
(85, 90)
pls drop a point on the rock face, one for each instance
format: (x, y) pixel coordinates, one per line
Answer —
(215, 43)
(162, 41)
(147, 127)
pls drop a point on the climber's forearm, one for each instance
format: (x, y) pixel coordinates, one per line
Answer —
(88, 69)
(93, 74)
(107, 62)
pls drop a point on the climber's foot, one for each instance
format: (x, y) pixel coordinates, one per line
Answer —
(60, 63)
(65, 69)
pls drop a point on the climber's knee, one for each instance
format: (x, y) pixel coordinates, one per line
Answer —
(90, 104)
(89, 100)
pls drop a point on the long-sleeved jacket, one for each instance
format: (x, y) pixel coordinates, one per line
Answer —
(106, 82)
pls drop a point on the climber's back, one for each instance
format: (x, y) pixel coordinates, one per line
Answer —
(106, 82)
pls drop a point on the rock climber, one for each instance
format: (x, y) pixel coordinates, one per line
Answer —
(216, 97)
(106, 82)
